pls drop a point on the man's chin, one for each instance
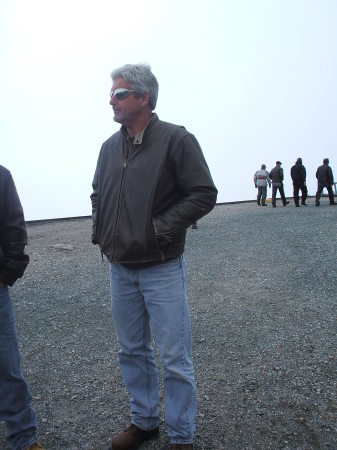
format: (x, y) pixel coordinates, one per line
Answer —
(118, 119)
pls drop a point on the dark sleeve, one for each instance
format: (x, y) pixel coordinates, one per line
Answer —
(194, 181)
(13, 235)
(330, 175)
(94, 202)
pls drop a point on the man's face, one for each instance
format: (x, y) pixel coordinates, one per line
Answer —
(127, 110)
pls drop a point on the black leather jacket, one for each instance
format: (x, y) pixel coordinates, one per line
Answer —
(276, 174)
(145, 195)
(298, 174)
(324, 175)
(13, 235)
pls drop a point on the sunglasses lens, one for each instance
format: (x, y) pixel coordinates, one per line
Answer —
(122, 94)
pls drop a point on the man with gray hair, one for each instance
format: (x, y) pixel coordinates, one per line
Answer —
(261, 181)
(151, 183)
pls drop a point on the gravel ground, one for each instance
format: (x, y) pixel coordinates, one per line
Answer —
(262, 295)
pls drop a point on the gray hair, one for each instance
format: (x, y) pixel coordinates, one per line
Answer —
(141, 80)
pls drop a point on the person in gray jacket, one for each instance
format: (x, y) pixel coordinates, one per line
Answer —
(324, 177)
(261, 181)
(15, 399)
(151, 183)
(276, 176)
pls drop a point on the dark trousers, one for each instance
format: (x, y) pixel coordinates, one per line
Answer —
(319, 193)
(304, 192)
(261, 193)
(278, 186)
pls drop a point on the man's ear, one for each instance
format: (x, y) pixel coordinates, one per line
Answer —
(145, 98)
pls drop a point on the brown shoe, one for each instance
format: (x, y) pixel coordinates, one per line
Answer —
(181, 447)
(132, 437)
(36, 446)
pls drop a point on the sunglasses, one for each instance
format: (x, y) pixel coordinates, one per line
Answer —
(121, 93)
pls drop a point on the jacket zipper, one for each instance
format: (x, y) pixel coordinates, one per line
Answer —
(125, 164)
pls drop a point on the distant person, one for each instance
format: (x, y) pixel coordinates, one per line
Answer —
(15, 399)
(324, 177)
(298, 175)
(261, 181)
(276, 175)
(151, 183)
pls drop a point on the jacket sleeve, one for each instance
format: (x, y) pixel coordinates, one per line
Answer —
(330, 175)
(197, 192)
(268, 179)
(94, 202)
(304, 174)
(292, 173)
(13, 234)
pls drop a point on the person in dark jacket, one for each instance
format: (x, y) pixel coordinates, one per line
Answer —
(151, 183)
(324, 177)
(298, 175)
(276, 176)
(15, 399)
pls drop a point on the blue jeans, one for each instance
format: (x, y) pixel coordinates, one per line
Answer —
(154, 299)
(278, 185)
(15, 399)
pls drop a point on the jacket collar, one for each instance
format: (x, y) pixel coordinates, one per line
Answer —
(138, 138)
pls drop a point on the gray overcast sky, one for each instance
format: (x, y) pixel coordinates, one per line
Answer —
(254, 80)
